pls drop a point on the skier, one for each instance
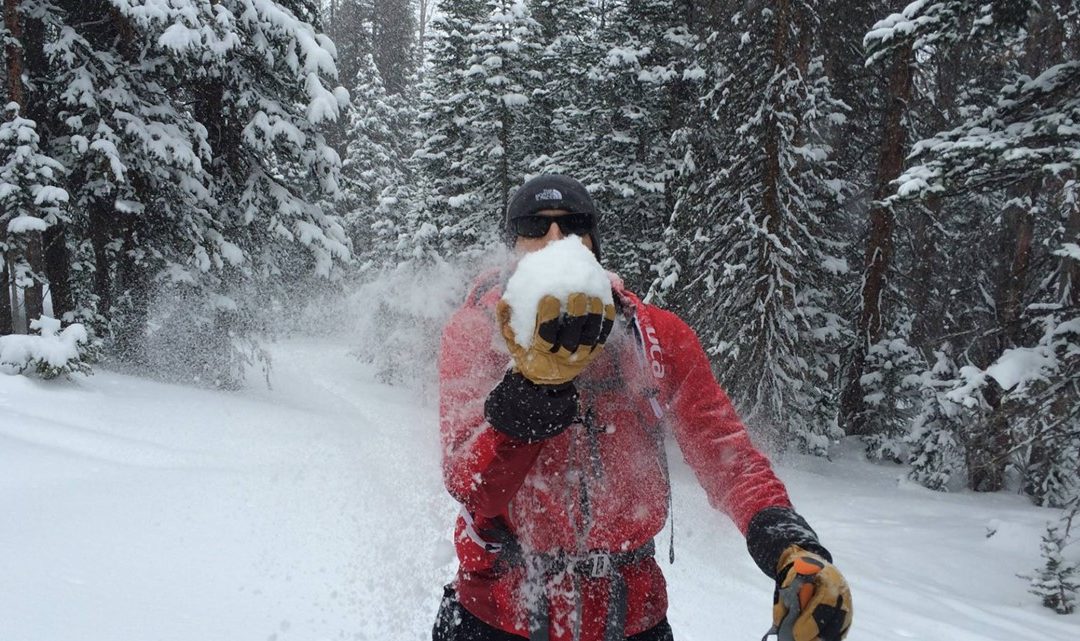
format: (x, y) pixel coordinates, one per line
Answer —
(559, 463)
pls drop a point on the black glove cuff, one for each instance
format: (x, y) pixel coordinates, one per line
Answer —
(529, 412)
(774, 530)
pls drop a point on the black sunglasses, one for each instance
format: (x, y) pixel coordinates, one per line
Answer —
(538, 226)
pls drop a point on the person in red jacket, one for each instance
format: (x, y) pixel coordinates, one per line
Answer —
(556, 454)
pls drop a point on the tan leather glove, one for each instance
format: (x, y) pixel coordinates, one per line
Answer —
(562, 343)
(812, 600)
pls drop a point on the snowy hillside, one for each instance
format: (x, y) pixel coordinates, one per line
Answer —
(139, 511)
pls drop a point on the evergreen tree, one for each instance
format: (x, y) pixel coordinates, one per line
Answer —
(445, 179)
(393, 39)
(375, 174)
(30, 201)
(750, 246)
(976, 157)
(937, 456)
(191, 136)
(616, 125)
(475, 93)
(1057, 583)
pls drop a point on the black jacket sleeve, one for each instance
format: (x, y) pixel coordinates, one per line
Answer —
(773, 530)
(529, 412)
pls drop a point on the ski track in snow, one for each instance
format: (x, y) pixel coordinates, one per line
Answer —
(141, 511)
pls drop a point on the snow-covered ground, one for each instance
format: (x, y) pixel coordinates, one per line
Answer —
(140, 511)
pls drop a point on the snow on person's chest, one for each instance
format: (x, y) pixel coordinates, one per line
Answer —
(562, 268)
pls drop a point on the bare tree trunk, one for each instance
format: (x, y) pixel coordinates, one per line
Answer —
(926, 324)
(879, 247)
(6, 326)
(33, 295)
(101, 224)
(771, 194)
(1069, 279)
(18, 317)
(14, 52)
(133, 281)
(58, 270)
(1016, 242)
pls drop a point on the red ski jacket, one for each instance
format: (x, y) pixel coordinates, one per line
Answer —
(601, 485)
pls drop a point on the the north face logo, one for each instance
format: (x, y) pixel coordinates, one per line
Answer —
(549, 194)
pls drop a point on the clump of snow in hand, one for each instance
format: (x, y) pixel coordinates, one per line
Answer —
(562, 268)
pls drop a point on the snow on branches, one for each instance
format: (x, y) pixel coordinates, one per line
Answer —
(50, 353)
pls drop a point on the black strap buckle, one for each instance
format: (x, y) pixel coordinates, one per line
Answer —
(598, 564)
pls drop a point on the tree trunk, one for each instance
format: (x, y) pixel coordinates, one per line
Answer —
(879, 247)
(33, 295)
(14, 52)
(1016, 246)
(1069, 279)
(101, 224)
(926, 326)
(58, 270)
(987, 445)
(770, 204)
(134, 285)
(18, 319)
(6, 326)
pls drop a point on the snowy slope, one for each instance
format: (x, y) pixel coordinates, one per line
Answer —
(139, 511)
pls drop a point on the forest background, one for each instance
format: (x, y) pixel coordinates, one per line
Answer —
(870, 211)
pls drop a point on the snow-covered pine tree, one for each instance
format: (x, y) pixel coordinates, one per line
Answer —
(374, 172)
(137, 157)
(30, 201)
(568, 36)
(1052, 464)
(891, 391)
(753, 253)
(937, 457)
(24, 167)
(639, 77)
(264, 87)
(1057, 582)
(393, 39)
(174, 180)
(499, 80)
(928, 29)
(440, 218)
(349, 25)
(976, 156)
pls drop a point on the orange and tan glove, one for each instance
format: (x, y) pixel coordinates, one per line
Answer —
(812, 601)
(563, 343)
